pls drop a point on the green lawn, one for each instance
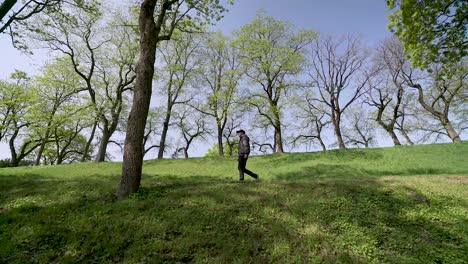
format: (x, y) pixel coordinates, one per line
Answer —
(404, 204)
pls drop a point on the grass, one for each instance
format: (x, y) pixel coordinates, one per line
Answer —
(391, 205)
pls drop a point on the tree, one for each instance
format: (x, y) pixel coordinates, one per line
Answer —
(102, 56)
(445, 88)
(181, 62)
(191, 127)
(27, 10)
(386, 89)
(229, 135)
(19, 22)
(69, 142)
(433, 31)
(116, 74)
(153, 29)
(401, 124)
(338, 74)
(271, 54)
(221, 74)
(360, 128)
(312, 120)
(57, 89)
(17, 99)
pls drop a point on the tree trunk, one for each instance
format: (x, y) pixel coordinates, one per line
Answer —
(220, 142)
(5, 7)
(14, 160)
(162, 143)
(391, 132)
(324, 148)
(186, 153)
(133, 149)
(336, 122)
(454, 136)
(278, 141)
(39, 153)
(278, 134)
(101, 155)
(394, 137)
(88, 143)
(406, 136)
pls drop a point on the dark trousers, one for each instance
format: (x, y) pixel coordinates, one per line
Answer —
(242, 169)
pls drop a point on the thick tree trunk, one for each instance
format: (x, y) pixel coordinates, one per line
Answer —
(162, 143)
(133, 149)
(88, 143)
(278, 141)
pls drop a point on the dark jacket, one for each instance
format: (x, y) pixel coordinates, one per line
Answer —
(244, 145)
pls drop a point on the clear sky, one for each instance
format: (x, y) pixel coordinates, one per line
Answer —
(365, 17)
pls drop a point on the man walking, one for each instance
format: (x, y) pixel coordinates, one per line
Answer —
(243, 153)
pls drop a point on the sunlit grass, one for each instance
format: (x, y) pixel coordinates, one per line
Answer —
(392, 205)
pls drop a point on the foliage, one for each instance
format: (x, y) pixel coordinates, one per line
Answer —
(19, 23)
(213, 151)
(5, 163)
(219, 92)
(271, 53)
(393, 205)
(433, 31)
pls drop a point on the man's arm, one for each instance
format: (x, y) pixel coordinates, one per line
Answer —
(245, 146)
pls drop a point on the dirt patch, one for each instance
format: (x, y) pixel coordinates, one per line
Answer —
(457, 178)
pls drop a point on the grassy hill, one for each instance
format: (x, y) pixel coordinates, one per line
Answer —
(405, 204)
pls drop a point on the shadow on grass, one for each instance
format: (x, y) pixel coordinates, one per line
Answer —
(327, 171)
(210, 220)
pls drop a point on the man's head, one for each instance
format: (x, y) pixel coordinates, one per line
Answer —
(240, 132)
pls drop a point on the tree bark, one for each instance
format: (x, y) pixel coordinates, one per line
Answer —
(133, 149)
(220, 141)
(5, 7)
(14, 160)
(454, 136)
(278, 140)
(101, 155)
(324, 148)
(39, 154)
(277, 125)
(394, 137)
(336, 117)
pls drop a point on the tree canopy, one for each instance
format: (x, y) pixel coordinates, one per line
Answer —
(433, 31)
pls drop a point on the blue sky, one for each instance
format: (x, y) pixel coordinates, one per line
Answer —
(367, 18)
